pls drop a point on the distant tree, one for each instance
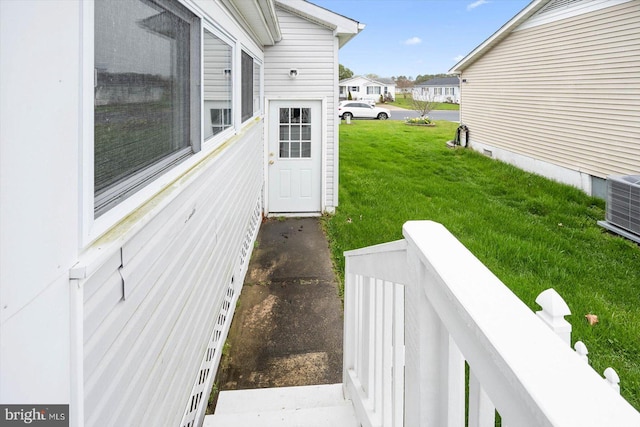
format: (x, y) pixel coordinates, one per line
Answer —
(423, 107)
(344, 72)
(372, 76)
(403, 82)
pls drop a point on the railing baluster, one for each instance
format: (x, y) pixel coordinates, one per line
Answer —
(398, 356)
(455, 385)
(482, 413)
(378, 347)
(612, 378)
(387, 355)
(582, 351)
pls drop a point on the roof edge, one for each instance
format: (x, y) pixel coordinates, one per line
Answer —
(344, 28)
(498, 36)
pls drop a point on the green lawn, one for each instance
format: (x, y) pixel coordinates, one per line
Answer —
(405, 102)
(532, 233)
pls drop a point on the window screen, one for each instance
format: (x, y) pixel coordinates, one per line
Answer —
(143, 97)
(247, 86)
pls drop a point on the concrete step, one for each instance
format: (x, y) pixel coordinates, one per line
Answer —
(306, 406)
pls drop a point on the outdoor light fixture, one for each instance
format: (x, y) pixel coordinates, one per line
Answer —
(293, 73)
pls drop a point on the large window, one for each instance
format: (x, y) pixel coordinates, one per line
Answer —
(146, 102)
(373, 90)
(218, 84)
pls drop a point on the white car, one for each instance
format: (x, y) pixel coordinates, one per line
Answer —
(362, 110)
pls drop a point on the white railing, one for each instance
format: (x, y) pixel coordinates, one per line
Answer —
(417, 309)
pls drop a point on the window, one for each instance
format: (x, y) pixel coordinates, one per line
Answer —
(295, 133)
(373, 90)
(247, 86)
(220, 119)
(354, 89)
(218, 84)
(146, 103)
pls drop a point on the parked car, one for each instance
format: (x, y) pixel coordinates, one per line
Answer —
(362, 110)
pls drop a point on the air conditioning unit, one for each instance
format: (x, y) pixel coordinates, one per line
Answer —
(623, 206)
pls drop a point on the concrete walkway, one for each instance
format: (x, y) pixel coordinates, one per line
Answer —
(287, 329)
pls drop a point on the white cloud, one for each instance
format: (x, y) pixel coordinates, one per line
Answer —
(413, 40)
(476, 3)
(458, 58)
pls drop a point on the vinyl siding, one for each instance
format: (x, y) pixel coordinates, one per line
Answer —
(142, 353)
(566, 92)
(312, 50)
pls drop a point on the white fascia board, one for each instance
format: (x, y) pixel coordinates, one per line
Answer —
(258, 17)
(499, 35)
(344, 28)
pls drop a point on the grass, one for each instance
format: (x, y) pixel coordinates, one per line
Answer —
(531, 232)
(405, 102)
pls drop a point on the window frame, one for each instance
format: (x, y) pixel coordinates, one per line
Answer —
(91, 228)
(217, 139)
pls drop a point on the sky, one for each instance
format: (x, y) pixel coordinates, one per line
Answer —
(414, 37)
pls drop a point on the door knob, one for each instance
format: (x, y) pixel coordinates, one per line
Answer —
(271, 162)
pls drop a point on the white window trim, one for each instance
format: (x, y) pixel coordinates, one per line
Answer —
(214, 141)
(93, 228)
(97, 229)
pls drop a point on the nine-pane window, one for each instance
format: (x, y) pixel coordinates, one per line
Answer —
(146, 73)
(295, 132)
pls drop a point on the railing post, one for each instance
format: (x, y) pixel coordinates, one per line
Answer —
(554, 308)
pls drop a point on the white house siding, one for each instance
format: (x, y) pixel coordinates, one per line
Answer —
(70, 333)
(312, 50)
(142, 353)
(437, 94)
(565, 93)
(39, 232)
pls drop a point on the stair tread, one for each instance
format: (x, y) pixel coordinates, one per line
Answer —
(280, 398)
(335, 416)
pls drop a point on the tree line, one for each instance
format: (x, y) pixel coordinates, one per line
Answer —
(401, 81)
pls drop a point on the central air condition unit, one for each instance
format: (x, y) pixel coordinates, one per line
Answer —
(623, 206)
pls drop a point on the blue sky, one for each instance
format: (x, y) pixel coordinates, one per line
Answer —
(412, 37)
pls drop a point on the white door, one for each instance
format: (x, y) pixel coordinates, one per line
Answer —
(294, 159)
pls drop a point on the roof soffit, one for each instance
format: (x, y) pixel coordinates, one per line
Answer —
(258, 17)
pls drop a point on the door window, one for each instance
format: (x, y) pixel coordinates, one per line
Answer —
(295, 133)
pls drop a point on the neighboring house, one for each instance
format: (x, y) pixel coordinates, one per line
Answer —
(438, 89)
(135, 168)
(556, 91)
(364, 88)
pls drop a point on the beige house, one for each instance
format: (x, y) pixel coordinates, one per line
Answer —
(556, 91)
